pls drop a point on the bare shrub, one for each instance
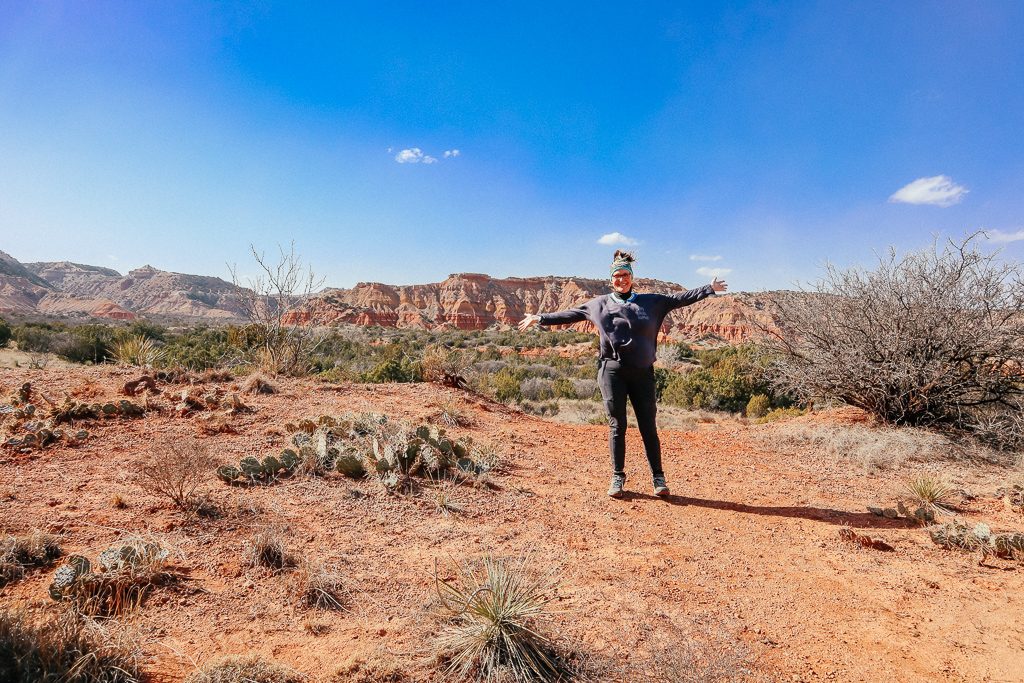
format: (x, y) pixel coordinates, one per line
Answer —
(931, 338)
(586, 389)
(66, 649)
(174, 469)
(700, 657)
(537, 389)
(248, 669)
(280, 344)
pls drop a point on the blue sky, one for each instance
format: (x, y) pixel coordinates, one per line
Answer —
(761, 139)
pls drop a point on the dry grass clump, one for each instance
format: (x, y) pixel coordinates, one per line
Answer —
(66, 649)
(319, 587)
(248, 669)
(492, 611)
(18, 553)
(702, 657)
(213, 375)
(931, 493)
(449, 415)
(267, 549)
(257, 383)
(379, 668)
(174, 469)
(875, 448)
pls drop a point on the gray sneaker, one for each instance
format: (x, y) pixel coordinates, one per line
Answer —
(660, 487)
(618, 481)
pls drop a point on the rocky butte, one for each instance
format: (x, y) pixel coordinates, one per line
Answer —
(473, 301)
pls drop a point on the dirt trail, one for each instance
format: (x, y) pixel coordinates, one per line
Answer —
(746, 550)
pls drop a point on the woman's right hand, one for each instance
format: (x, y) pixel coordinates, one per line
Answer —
(529, 321)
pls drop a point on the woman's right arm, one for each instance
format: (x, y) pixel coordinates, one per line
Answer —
(573, 315)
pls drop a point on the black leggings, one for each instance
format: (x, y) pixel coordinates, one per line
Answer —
(618, 381)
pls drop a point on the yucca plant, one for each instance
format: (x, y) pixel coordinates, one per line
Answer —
(446, 497)
(139, 351)
(492, 610)
(931, 493)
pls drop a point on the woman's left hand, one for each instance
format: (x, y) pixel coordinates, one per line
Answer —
(719, 285)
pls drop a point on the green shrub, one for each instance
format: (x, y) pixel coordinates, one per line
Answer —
(780, 414)
(201, 348)
(505, 386)
(726, 380)
(758, 405)
(5, 333)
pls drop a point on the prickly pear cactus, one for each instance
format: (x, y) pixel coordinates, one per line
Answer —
(228, 473)
(289, 459)
(271, 466)
(350, 464)
(251, 467)
(67, 574)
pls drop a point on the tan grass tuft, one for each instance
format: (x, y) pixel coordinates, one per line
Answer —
(248, 669)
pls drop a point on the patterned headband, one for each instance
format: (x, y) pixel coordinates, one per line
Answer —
(622, 265)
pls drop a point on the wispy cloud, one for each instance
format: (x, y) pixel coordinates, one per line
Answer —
(1000, 236)
(415, 155)
(613, 238)
(704, 257)
(713, 272)
(938, 190)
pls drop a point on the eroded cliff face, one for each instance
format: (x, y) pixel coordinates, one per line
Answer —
(471, 301)
(466, 301)
(105, 293)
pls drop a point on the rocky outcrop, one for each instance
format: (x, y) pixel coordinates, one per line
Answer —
(102, 292)
(20, 288)
(472, 301)
(466, 301)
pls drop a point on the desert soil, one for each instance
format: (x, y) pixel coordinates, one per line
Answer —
(745, 557)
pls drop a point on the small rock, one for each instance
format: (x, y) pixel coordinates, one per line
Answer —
(890, 513)
(875, 511)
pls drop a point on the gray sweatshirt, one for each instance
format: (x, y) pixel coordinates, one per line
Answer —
(628, 331)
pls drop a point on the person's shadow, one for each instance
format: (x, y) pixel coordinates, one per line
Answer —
(860, 520)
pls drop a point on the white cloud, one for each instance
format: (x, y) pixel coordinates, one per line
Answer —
(702, 257)
(415, 155)
(617, 238)
(938, 190)
(713, 272)
(410, 156)
(1000, 236)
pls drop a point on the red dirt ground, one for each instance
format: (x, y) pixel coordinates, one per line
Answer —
(747, 551)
